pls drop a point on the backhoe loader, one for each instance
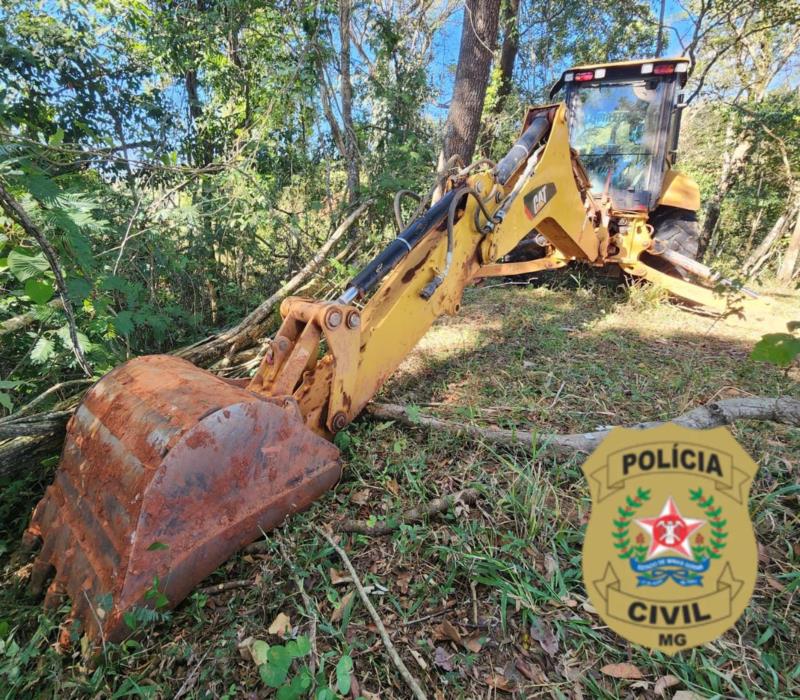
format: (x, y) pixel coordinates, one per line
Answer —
(167, 469)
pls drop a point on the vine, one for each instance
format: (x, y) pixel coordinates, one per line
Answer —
(622, 525)
(718, 533)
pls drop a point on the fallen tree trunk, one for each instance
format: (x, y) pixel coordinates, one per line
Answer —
(714, 414)
(251, 328)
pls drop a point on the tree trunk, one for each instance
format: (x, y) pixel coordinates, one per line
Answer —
(760, 254)
(350, 155)
(789, 264)
(508, 52)
(733, 160)
(660, 35)
(478, 38)
(344, 135)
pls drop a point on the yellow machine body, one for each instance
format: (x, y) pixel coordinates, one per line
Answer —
(679, 190)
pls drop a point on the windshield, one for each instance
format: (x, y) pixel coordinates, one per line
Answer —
(616, 130)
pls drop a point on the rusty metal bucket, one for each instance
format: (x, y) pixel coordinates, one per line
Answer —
(167, 471)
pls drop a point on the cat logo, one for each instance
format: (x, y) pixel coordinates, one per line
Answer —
(669, 558)
(536, 199)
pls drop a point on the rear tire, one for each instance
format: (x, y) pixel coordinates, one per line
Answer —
(678, 230)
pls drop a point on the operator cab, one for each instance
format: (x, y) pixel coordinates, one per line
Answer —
(623, 123)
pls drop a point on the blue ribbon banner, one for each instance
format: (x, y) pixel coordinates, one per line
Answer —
(683, 571)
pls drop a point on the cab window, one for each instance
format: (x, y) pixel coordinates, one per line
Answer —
(616, 128)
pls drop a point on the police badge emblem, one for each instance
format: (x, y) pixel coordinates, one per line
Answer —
(669, 558)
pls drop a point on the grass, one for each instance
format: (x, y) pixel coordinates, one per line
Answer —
(506, 572)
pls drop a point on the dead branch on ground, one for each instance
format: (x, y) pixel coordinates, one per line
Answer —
(414, 515)
(782, 409)
(387, 642)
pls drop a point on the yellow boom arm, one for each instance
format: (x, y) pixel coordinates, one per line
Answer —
(365, 345)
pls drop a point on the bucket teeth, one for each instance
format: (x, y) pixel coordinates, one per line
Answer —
(166, 471)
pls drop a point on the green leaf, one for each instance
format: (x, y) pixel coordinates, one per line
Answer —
(5, 401)
(24, 266)
(288, 692)
(39, 291)
(273, 676)
(292, 649)
(776, 348)
(279, 657)
(42, 188)
(42, 351)
(78, 289)
(130, 620)
(325, 694)
(123, 322)
(413, 413)
(64, 336)
(56, 139)
(259, 651)
(303, 645)
(297, 688)
(156, 546)
(343, 670)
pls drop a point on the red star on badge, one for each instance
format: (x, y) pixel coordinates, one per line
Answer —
(669, 531)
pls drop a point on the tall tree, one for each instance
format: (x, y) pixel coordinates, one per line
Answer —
(789, 264)
(478, 39)
(343, 133)
(508, 52)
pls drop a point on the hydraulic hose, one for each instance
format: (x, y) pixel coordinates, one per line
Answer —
(436, 282)
(366, 280)
(398, 212)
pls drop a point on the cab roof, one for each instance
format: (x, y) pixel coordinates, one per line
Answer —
(628, 70)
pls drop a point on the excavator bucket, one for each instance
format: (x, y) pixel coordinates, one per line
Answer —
(167, 470)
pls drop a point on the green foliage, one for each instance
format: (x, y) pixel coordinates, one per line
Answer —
(25, 266)
(283, 667)
(780, 349)
(343, 670)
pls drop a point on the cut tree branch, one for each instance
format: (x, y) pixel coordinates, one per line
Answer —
(22, 321)
(714, 414)
(412, 682)
(252, 327)
(14, 210)
(414, 515)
